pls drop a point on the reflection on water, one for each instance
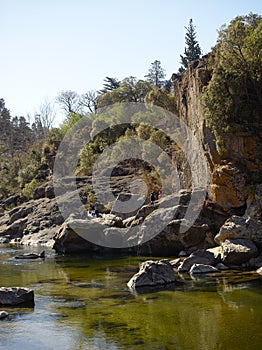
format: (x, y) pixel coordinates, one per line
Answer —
(83, 303)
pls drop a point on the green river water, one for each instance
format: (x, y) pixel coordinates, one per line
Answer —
(83, 303)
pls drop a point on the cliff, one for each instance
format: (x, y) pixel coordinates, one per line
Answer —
(232, 174)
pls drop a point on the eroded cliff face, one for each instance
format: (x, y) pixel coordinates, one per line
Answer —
(232, 173)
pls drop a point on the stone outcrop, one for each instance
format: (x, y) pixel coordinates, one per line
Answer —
(32, 223)
(16, 295)
(152, 273)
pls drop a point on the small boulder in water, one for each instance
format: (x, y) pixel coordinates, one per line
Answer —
(31, 256)
(16, 295)
(152, 273)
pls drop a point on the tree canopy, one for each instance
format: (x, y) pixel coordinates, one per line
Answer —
(233, 97)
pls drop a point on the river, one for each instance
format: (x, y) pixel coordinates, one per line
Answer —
(83, 303)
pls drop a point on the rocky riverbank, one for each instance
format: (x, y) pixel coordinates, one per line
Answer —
(215, 238)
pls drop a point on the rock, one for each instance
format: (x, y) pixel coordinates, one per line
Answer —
(3, 314)
(32, 223)
(20, 213)
(198, 257)
(31, 256)
(12, 201)
(152, 273)
(16, 228)
(39, 192)
(182, 253)
(222, 267)
(111, 220)
(237, 251)
(228, 186)
(166, 236)
(202, 268)
(256, 262)
(259, 271)
(254, 204)
(16, 295)
(240, 227)
(127, 222)
(175, 263)
(88, 236)
(216, 251)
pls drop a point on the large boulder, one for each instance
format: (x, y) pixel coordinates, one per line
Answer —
(16, 295)
(152, 273)
(238, 251)
(240, 227)
(89, 236)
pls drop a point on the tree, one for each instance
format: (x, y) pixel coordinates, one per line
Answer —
(156, 74)
(47, 115)
(69, 101)
(130, 90)
(192, 50)
(89, 100)
(233, 98)
(161, 98)
(109, 85)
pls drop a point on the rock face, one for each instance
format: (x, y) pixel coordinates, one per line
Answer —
(237, 251)
(152, 273)
(228, 174)
(16, 295)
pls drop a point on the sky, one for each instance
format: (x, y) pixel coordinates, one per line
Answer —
(49, 46)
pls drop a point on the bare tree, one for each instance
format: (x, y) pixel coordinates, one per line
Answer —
(47, 114)
(89, 100)
(69, 101)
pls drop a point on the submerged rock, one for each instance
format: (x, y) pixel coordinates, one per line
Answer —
(31, 256)
(16, 295)
(152, 273)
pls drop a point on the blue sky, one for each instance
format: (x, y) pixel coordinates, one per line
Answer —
(52, 45)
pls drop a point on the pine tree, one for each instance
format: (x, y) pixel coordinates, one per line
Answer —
(156, 74)
(192, 49)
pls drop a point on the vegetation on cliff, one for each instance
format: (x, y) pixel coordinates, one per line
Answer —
(233, 97)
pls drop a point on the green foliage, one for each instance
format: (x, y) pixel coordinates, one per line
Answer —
(192, 49)
(161, 98)
(29, 189)
(233, 97)
(130, 90)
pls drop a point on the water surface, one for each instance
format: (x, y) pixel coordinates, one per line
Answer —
(83, 303)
